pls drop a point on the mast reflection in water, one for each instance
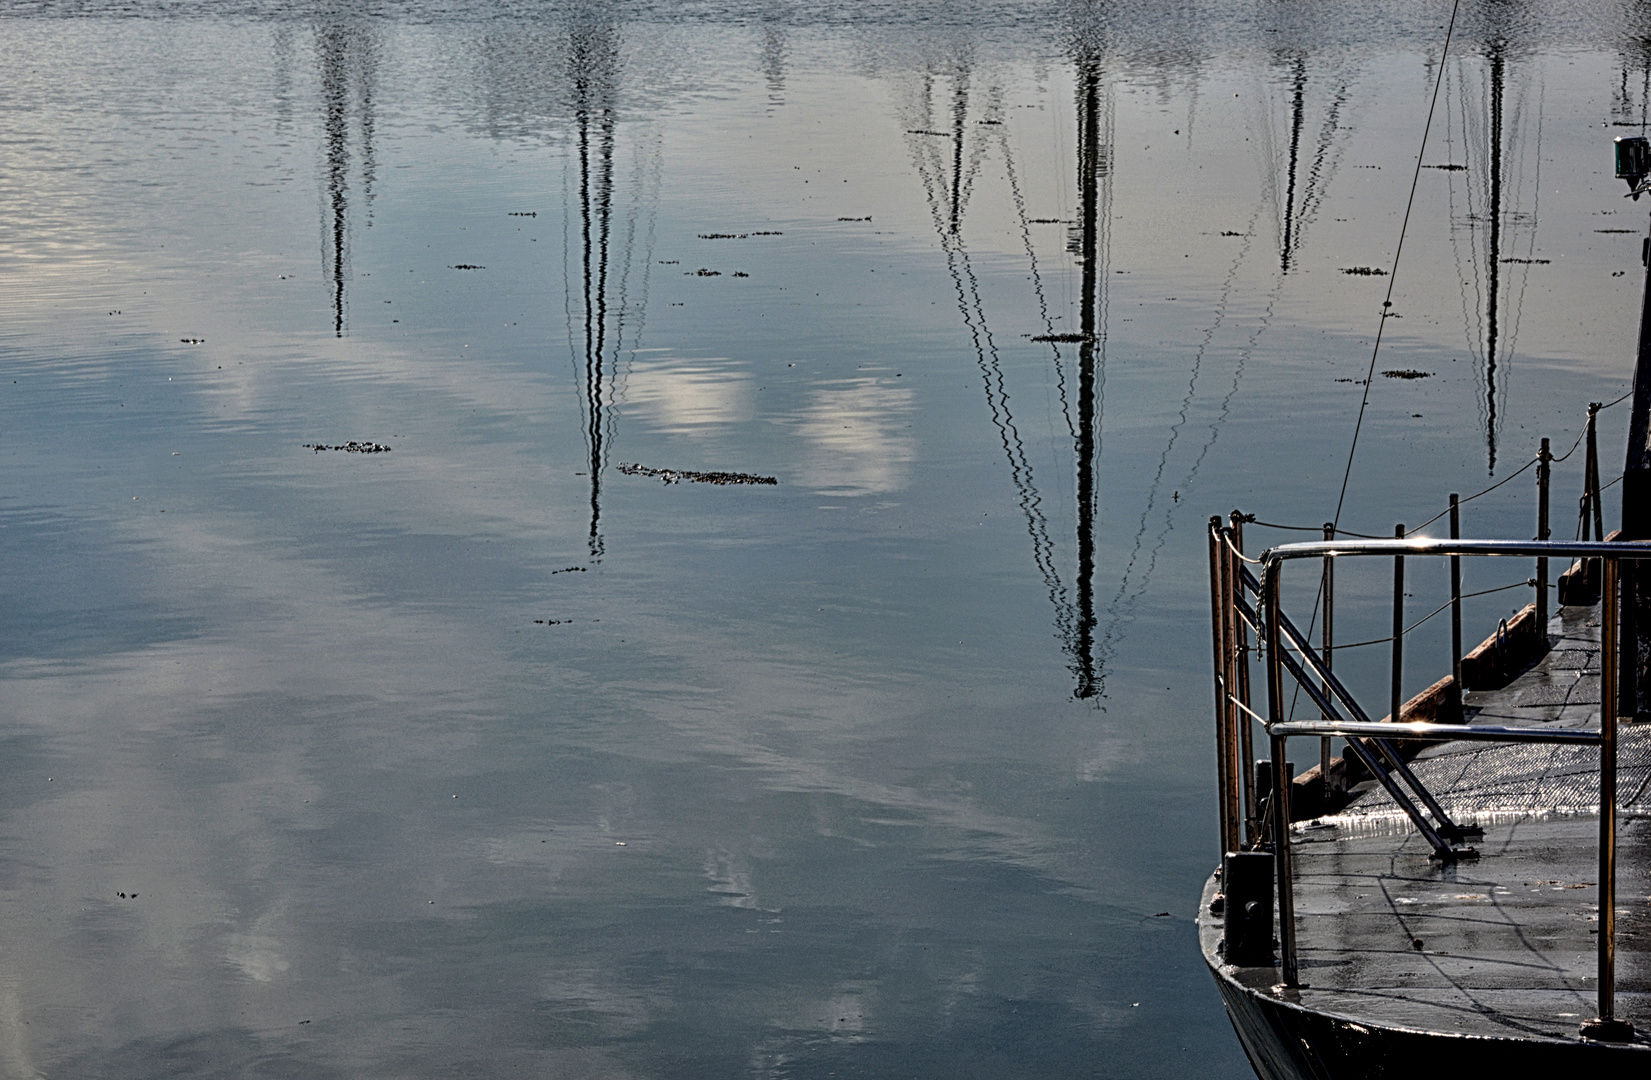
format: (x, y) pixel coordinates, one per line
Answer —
(1094, 168)
(593, 71)
(610, 272)
(1491, 123)
(948, 163)
(346, 56)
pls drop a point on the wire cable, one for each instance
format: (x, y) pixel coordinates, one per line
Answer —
(1398, 251)
(1526, 584)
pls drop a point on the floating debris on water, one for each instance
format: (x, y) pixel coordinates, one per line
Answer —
(1365, 271)
(922, 131)
(569, 570)
(1229, 232)
(723, 236)
(467, 266)
(546, 622)
(1529, 262)
(1407, 373)
(670, 262)
(673, 476)
(192, 340)
(351, 447)
(702, 272)
(768, 232)
(739, 273)
(1448, 168)
(524, 213)
(1063, 337)
(866, 218)
(1616, 230)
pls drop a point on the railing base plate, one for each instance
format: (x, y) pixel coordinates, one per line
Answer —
(1608, 1030)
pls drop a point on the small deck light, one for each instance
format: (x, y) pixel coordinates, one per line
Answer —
(1634, 162)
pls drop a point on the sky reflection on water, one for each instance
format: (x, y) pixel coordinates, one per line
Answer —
(480, 756)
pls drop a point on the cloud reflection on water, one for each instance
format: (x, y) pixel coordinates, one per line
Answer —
(857, 438)
(689, 397)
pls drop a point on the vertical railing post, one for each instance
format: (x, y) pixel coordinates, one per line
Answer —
(1607, 798)
(1246, 735)
(1280, 799)
(1233, 586)
(1590, 479)
(1396, 700)
(1237, 722)
(1544, 458)
(1456, 596)
(1327, 646)
(1219, 603)
(1606, 1026)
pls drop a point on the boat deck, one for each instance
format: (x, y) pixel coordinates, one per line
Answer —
(1503, 946)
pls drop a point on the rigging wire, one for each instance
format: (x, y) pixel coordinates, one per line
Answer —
(1387, 303)
(1398, 251)
(1250, 519)
(1526, 584)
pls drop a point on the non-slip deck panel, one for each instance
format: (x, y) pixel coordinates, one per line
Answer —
(1500, 951)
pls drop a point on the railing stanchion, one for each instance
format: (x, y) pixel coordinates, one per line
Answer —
(1246, 735)
(1328, 647)
(1396, 698)
(1280, 800)
(1607, 800)
(1544, 458)
(1590, 478)
(1456, 597)
(1237, 722)
(1606, 1026)
(1220, 604)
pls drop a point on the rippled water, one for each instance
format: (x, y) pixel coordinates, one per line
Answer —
(484, 756)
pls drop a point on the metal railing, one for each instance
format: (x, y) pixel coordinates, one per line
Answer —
(1252, 820)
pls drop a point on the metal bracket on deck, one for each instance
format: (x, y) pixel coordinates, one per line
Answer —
(1445, 839)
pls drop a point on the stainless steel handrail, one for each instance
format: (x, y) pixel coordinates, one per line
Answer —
(1274, 630)
(1423, 732)
(1593, 549)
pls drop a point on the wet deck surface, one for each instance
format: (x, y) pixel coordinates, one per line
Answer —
(1504, 945)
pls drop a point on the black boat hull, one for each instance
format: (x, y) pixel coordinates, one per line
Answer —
(1286, 1041)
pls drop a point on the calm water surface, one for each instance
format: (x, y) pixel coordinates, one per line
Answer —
(485, 757)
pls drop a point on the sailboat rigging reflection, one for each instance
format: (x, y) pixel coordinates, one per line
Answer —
(1493, 241)
(1304, 181)
(593, 55)
(948, 149)
(948, 163)
(346, 52)
(604, 319)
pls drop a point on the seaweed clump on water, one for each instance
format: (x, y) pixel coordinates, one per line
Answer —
(351, 447)
(674, 476)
